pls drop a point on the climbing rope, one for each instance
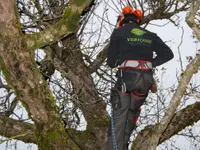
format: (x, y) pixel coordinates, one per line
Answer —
(112, 123)
(113, 131)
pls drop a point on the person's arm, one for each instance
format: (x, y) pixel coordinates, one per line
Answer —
(163, 52)
(112, 54)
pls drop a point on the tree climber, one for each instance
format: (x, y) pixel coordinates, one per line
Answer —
(131, 50)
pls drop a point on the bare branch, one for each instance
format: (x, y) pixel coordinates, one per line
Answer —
(67, 25)
(191, 18)
(185, 117)
(11, 128)
(151, 135)
(99, 59)
(179, 51)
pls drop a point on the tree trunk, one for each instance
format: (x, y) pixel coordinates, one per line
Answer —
(21, 73)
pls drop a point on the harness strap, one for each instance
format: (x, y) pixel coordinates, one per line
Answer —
(137, 64)
(139, 94)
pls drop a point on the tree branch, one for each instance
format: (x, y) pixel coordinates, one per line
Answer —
(185, 117)
(161, 13)
(176, 99)
(67, 25)
(191, 18)
(12, 128)
(188, 113)
(151, 135)
(8, 16)
(99, 60)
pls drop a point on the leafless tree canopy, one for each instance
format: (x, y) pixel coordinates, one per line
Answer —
(52, 60)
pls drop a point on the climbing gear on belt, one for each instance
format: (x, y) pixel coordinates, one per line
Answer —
(123, 85)
(137, 64)
(124, 116)
(115, 98)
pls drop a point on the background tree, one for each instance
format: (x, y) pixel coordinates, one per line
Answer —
(66, 31)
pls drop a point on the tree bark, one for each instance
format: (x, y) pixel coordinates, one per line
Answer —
(182, 119)
(21, 73)
(20, 130)
(71, 64)
(19, 68)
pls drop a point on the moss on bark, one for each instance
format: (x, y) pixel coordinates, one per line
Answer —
(78, 2)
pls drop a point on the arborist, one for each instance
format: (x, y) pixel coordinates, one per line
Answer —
(131, 50)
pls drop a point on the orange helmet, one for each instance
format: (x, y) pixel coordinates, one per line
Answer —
(128, 10)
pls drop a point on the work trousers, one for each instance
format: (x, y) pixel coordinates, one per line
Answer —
(128, 95)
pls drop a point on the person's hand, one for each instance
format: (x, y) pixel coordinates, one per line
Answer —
(154, 87)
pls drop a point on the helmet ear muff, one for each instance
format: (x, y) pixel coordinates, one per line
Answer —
(138, 13)
(119, 20)
(138, 21)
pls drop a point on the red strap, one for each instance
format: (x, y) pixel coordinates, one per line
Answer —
(139, 94)
(135, 120)
(142, 67)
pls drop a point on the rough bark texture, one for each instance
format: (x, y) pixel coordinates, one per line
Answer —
(20, 130)
(191, 17)
(92, 106)
(183, 118)
(19, 68)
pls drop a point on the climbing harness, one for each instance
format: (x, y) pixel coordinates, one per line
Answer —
(137, 64)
